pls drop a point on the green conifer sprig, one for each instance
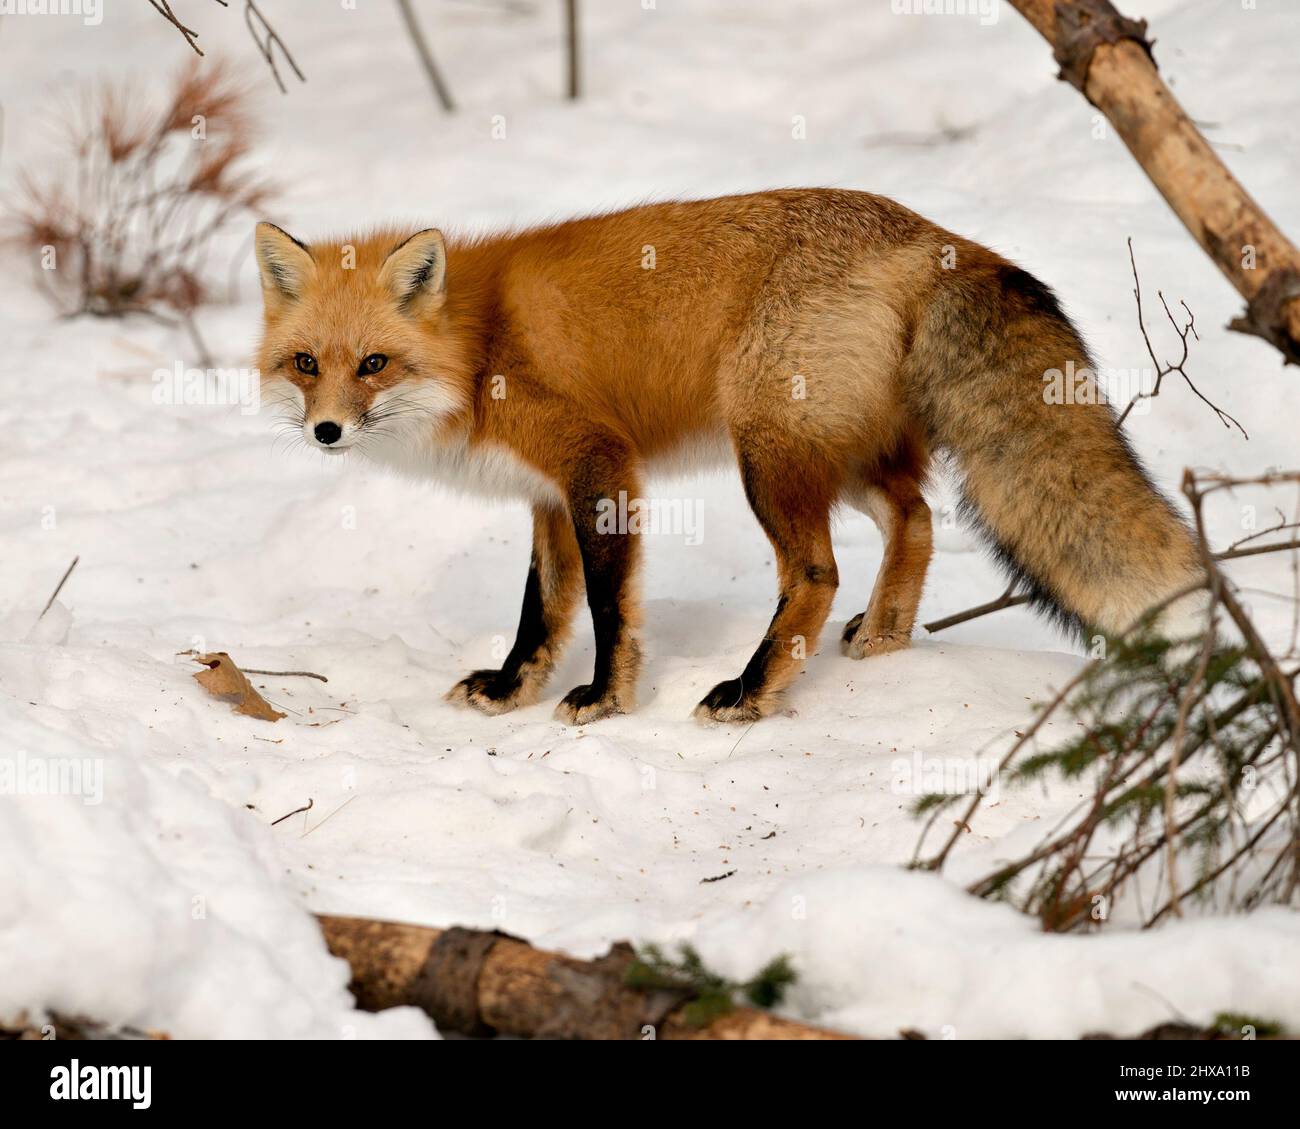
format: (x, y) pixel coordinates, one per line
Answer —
(711, 995)
(1209, 720)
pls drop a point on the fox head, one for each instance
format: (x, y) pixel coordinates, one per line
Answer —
(360, 332)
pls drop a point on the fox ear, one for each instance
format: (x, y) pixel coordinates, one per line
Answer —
(415, 272)
(285, 264)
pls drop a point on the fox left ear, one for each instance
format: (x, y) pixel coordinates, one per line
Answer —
(415, 272)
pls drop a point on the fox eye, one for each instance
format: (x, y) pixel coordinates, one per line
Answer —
(305, 363)
(372, 364)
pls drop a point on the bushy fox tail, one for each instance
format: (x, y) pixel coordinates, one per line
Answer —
(1054, 486)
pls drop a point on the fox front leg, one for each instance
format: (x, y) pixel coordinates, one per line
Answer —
(610, 553)
(550, 597)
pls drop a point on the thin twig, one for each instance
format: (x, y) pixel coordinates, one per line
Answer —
(252, 18)
(571, 42)
(436, 80)
(164, 9)
(286, 673)
(1185, 702)
(1008, 599)
(59, 588)
(1257, 550)
(330, 816)
(295, 811)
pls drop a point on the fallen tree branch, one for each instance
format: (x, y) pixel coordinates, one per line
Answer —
(1008, 599)
(1108, 58)
(478, 983)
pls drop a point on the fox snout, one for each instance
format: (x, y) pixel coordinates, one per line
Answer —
(330, 432)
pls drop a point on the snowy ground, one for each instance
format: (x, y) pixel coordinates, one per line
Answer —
(173, 903)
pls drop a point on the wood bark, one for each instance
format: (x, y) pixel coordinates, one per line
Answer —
(478, 983)
(1107, 58)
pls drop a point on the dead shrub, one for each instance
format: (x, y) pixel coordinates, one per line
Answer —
(125, 220)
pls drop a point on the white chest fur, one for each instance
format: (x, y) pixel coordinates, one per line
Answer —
(484, 470)
(405, 442)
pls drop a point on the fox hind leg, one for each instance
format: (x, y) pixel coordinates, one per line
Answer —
(794, 511)
(898, 509)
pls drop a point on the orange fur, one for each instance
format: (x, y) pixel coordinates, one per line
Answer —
(817, 333)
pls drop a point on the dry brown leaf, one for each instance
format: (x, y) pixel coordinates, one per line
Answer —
(224, 680)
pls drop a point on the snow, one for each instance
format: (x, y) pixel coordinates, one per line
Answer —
(174, 903)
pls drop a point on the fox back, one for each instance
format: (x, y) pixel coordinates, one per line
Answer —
(829, 342)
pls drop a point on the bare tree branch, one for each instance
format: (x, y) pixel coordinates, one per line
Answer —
(571, 40)
(440, 88)
(263, 34)
(271, 40)
(1108, 59)
(164, 9)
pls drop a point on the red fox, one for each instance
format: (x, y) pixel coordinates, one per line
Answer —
(832, 342)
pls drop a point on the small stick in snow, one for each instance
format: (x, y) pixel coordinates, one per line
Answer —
(717, 877)
(742, 737)
(270, 673)
(287, 673)
(294, 812)
(330, 816)
(50, 602)
(1008, 599)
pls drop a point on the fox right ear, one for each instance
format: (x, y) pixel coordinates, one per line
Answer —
(284, 263)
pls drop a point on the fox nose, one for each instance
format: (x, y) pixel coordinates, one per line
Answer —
(328, 432)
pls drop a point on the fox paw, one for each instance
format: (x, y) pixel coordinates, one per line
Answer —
(727, 702)
(861, 647)
(585, 704)
(490, 691)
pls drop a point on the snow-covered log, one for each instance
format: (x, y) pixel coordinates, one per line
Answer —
(480, 983)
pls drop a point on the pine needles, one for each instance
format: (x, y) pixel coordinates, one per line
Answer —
(1190, 753)
(710, 995)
